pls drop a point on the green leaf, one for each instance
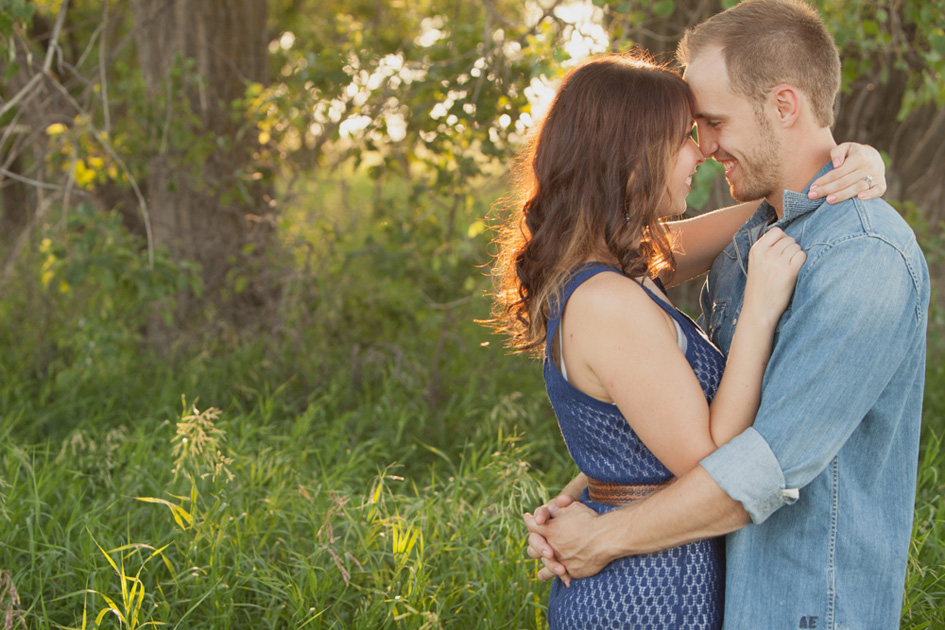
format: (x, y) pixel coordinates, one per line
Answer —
(937, 41)
(14, 11)
(180, 514)
(664, 8)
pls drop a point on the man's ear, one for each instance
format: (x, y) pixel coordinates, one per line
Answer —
(788, 102)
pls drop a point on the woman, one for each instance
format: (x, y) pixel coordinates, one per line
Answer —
(637, 388)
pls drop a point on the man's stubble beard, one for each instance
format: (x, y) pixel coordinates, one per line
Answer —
(763, 177)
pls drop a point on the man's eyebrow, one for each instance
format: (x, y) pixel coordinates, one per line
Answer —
(708, 116)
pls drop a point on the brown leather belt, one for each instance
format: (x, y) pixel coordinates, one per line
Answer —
(610, 493)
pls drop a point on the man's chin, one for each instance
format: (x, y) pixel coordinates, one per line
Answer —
(737, 194)
(741, 194)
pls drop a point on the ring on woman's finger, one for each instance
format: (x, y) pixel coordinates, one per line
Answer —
(869, 181)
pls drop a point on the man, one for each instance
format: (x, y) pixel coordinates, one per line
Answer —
(835, 441)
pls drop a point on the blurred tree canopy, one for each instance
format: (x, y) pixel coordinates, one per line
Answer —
(199, 127)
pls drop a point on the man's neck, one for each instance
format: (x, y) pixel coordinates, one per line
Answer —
(805, 156)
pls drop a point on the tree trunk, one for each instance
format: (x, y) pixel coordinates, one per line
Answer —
(22, 137)
(208, 212)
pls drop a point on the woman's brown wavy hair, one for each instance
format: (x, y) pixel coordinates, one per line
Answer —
(594, 173)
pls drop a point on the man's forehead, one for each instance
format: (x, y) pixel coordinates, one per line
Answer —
(707, 76)
(701, 115)
(709, 60)
(710, 104)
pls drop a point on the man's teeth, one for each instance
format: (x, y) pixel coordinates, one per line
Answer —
(729, 165)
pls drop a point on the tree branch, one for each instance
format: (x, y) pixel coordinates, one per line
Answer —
(106, 146)
(103, 76)
(27, 180)
(47, 64)
(54, 38)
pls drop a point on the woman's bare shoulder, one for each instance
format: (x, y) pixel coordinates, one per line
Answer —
(610, 300)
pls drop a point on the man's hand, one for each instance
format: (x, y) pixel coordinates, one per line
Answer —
(562, 536)
(538, 547)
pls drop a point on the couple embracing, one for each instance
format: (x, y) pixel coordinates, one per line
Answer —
(790, 419)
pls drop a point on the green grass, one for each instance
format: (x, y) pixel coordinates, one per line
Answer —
(330, 511)
(363, 466)
(924, 602)
(321, 484)
(274, 522)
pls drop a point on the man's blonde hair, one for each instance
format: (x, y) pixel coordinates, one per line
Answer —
(768, 42)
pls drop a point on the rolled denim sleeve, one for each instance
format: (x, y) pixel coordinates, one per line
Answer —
(763, 490)
(856, 306)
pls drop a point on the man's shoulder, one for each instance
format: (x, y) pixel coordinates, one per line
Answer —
(847, 220)
(867, 241)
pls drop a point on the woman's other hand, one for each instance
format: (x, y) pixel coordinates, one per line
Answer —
(858, 170)
(773, 264)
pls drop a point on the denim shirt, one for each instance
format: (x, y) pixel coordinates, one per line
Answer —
(835, 442)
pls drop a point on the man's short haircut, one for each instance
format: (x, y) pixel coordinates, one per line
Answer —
(768, 42)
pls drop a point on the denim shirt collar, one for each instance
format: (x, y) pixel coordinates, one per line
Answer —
(795, 204)
(798, 204)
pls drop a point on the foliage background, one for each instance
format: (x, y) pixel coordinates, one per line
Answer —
(309, 429)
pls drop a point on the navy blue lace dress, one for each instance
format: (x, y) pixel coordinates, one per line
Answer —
(679, 588)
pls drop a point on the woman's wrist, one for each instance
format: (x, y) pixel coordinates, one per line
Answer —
(762, 318)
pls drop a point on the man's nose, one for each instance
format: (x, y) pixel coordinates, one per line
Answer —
(707, 143)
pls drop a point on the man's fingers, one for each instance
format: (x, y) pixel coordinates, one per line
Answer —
(539, 546)
(552, 569)
(530, 522)
(563, 500)
(544, 575)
